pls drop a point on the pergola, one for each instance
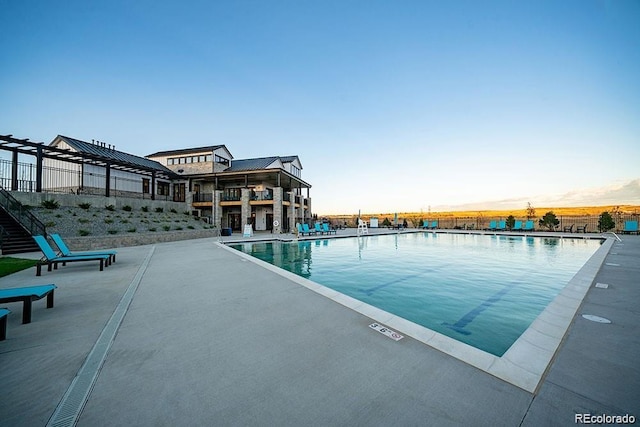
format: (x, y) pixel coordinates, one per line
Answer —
(41, 151)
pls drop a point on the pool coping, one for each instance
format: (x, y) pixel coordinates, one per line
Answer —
(524, 364)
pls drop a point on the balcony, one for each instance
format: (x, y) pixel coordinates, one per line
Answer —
(261, 195)
(202, 197)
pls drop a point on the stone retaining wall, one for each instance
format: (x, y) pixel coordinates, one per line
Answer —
(134, 239)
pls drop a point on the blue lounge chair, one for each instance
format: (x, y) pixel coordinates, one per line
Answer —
(4, 312)
(319, 228)
(64, 250)
(51, 259)
(528, 226)
(630, 227)
(434, 225)
(502, 225)
(326, 229)
(425, 224)
(517, 226)
(27, 295)
(492, 226)
(306, 229)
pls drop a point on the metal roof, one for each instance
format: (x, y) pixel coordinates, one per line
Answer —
(251, 164)
(106, 152)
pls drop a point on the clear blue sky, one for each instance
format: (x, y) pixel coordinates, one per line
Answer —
(390, 105)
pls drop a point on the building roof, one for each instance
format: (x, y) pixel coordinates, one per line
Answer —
(251, 164)
(209, 149)
(109, 152)
(260, 163)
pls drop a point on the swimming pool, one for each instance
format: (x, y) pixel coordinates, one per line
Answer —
(482, 290)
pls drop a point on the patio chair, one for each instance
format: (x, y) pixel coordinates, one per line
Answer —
(528, 226)
(318, 228)
(425, 224)
(434, 225)
(581, 229)
(307, 230)
(492, 226)
(64, 250)
(27, 295)
(568, 229)
(502, 225)
(630, 227)
(517, 226)
(51, 259)
(4, 312)
(326, 229)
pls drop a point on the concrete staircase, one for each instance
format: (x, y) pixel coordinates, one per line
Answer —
(15, 239)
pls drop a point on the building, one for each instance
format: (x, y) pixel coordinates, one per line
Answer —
(268, 192)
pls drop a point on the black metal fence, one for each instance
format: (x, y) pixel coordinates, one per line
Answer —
(73, 181)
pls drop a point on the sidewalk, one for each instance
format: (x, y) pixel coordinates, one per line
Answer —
(211, 339)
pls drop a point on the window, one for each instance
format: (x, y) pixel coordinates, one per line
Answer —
(171, 161)
(178, 192)
(222, 160)
(145, 185)
(163, 188)
(189, 159)
(295, 171)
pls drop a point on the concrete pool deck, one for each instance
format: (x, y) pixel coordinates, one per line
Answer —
(191, 333)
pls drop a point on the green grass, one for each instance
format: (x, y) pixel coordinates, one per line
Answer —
(9, 265)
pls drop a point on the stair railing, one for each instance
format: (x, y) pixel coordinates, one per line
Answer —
(18, 212)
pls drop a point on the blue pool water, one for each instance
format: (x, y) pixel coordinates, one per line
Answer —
(483, 290)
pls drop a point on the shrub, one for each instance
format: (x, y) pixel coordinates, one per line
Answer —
(132, 230)
(173, 210)
(386, 222)
(83, 220)
(49, 224)
(178, 228)
(108, 221)
(124, 221)
(510, 222)
(50, 204)
(186, 213)
(152, 229)
(84, 232)
(145, 208)
(190, 227)
(166, 227)
(549, 220)
(84, 206)
(126, 208)
(58, 215)
(112, 231)
(159, 210)
(605, 222)
(110, 208)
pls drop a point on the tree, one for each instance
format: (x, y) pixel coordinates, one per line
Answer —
(510, 222)
(549, 220)
(386, 223)
(531, 211)
(605, 222)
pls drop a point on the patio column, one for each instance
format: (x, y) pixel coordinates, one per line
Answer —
(245, 213)
(291, 215)
(277, 210)
(217, 209)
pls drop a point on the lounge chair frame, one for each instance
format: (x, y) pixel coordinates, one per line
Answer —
(27, 295)
(4, 312)
(50, 259)
(64, 249)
